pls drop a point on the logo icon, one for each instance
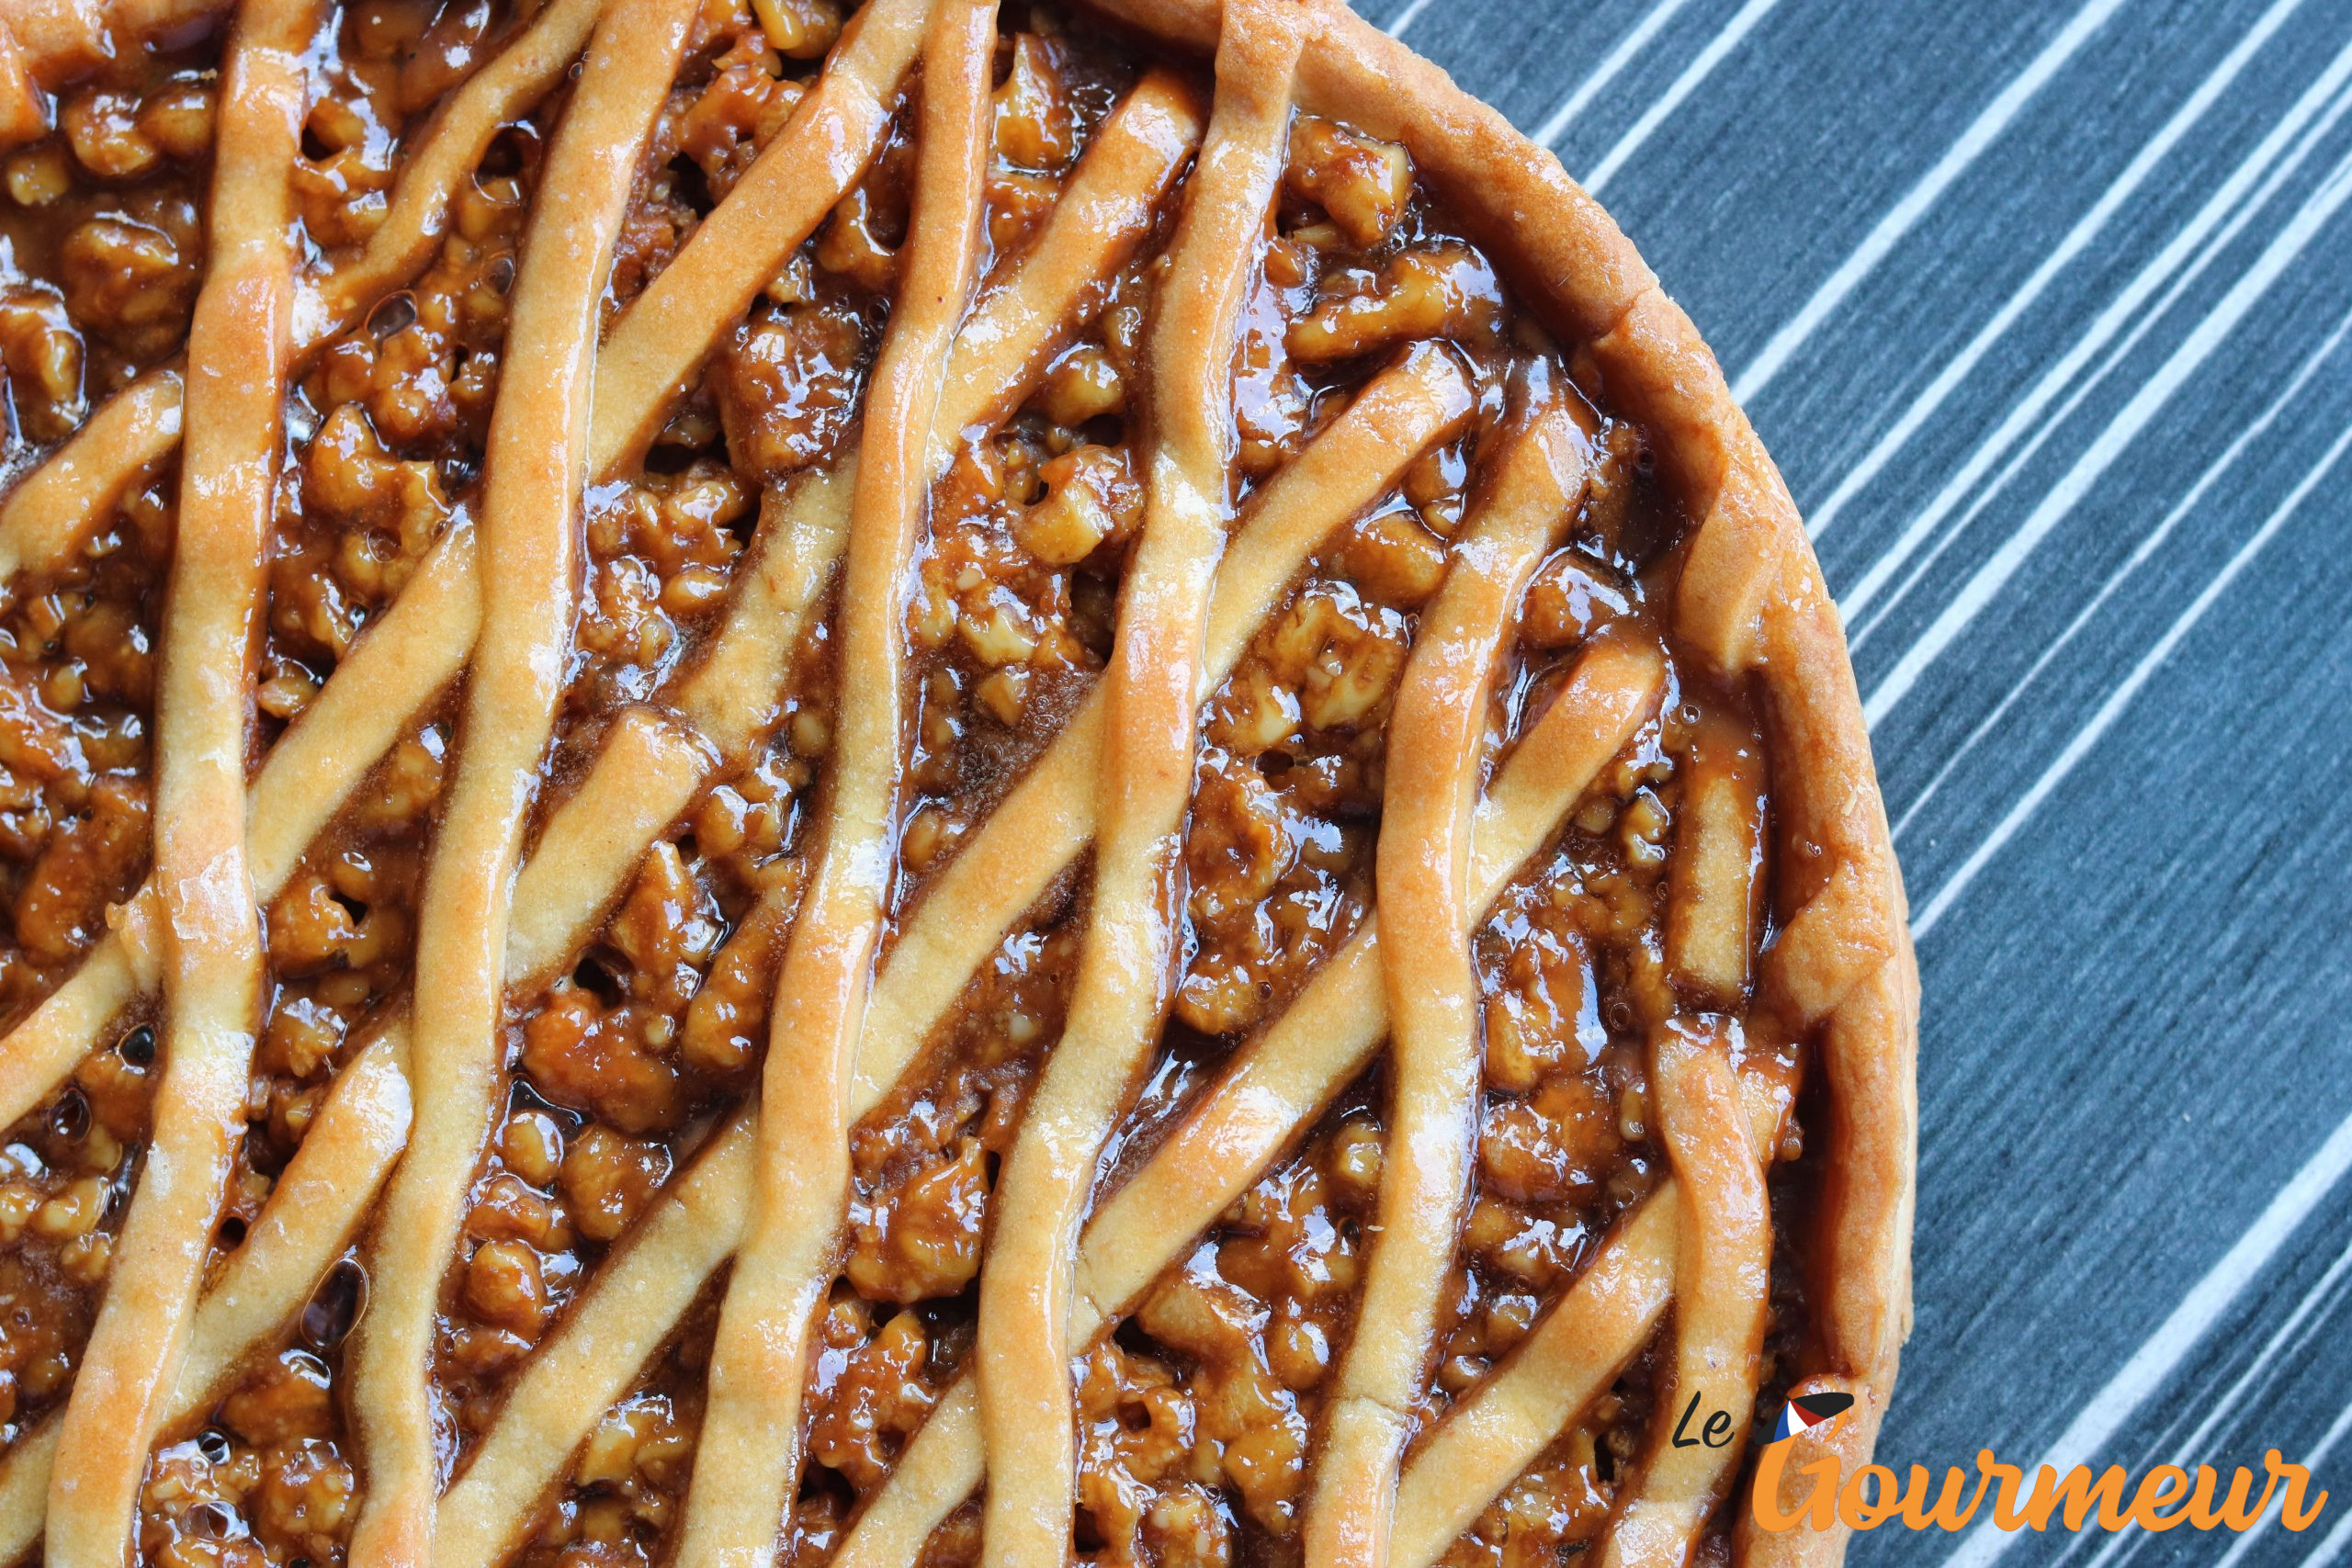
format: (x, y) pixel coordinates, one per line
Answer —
(1809, 1410)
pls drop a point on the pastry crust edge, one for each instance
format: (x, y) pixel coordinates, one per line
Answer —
(1753, 603)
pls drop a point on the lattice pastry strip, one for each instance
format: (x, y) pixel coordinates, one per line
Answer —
(1722, 1268)
(667, 331)
(1536, 481)
(800, 1163)
(537, 454)
(403, 660)
(1149, 697)
(600, 832)
(1569, 1362)
(1048, 819)
(211, 951)
(392, 672)
(637, 1299)
(396, 667)
(1243, 1122)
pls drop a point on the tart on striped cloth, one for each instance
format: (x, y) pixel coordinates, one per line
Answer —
(966, 784)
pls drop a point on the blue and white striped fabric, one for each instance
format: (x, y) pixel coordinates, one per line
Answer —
(2046, 312)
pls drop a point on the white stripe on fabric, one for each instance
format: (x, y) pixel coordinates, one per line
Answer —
(2191, 1451)
(2331, 1546)
(2078, 238)
(1989, 579)
(2032, 412)
(2118, 700)
(2207, 1301)
(1718, 48)
(1981, 133)
(2327, 1445)
(2147, 546)
(1612, 65)
(1405, 17)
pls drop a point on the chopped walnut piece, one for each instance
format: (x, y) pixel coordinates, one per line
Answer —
(37, 175)
(94, 860)
(505, 1290)
(1393, 559)
(923, 1240)
(745, 105)
(303, 1503)
(1570, 598)
(669, 929)
(725, 1024)
(43, 356)
(1257, 1435)
(132, 276)
(1341, 655)
(1137, 1429)
(852, 243)
(507, 1208)
(1363, 185)
(1559, 1144)
(788, 386)
(877, 1399)
(802, 29)
(1540, 1017)
(292, 1397)
(101, 124)
(1034, 128)
(1445, 290)
(608, 1179)
(639, 1437)
(1084, 384)
(1091, 498)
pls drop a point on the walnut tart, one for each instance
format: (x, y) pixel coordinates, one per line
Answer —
(958, 782)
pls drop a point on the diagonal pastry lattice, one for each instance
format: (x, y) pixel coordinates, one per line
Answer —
(700, 707)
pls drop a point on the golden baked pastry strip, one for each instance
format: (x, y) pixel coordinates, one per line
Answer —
(1277, 1086)
(1105, 214)
(1723, 1268)
(1750, 596)
(1533, 484)
(638, 1296)
(536, 462)
(318, 1206)
(1750, 599)
(1572, 1357)
(799, 1190)
(210, 953)
(683, 1239)
(652, 764)
(1149, 697)
(732, 697)
(49, 513)
(1717, 893)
